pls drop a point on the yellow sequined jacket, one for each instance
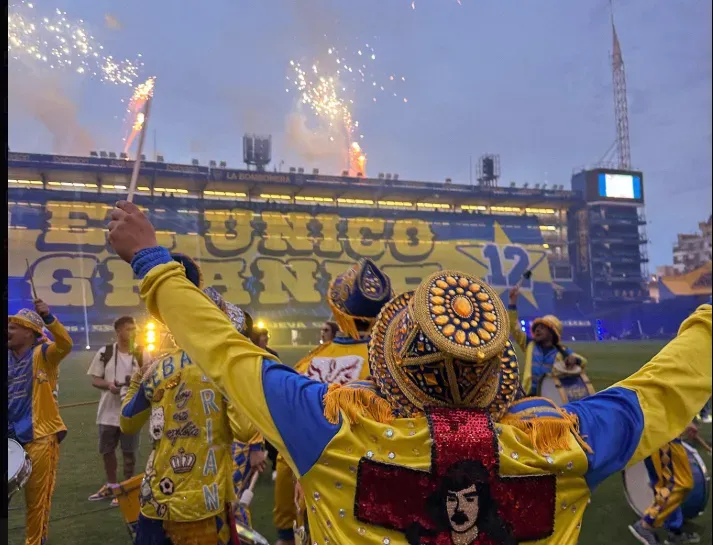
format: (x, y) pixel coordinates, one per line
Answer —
(341, 454)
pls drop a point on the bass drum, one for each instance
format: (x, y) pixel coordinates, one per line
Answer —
(640, 493)
(563, 389)
(19, 467)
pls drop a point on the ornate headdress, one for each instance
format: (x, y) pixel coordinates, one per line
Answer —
(235, 313)
(29, 319)
(193, 270)
(444, 344)
(358, 294)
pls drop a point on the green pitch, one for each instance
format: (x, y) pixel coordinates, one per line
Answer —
(76, 520)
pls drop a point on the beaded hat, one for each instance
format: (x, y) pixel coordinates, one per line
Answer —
(552, 323)
(358, 294)
(29, 319)
(235, 313)
(444, 344)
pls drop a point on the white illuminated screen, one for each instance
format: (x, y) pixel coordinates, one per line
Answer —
(619, 186)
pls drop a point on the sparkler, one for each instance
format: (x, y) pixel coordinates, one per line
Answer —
(141, 95)
(61, 43)
(323, 89)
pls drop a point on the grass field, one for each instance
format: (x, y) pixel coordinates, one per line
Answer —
(74, 520)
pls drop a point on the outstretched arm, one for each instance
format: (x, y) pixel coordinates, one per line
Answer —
(136, 407)
(627, 422)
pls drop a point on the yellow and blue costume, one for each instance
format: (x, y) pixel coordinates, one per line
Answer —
(357, 294)
(33, 414)
(187, 491)
(672, 480)
(444, 382)
(538, 361)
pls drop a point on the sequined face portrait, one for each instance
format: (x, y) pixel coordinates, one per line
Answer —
(462, 508)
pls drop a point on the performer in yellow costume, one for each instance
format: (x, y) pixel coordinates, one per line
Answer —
(33, 418)
(541, 350)
(434, 451)
(340, 361)
(672, 481)
(187, 491)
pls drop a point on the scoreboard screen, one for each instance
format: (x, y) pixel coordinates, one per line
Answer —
(619, 186)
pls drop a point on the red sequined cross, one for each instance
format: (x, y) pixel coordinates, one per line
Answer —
(395, 497)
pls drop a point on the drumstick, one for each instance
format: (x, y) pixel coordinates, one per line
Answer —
(705, 445)
(32, 281)
(525, 276)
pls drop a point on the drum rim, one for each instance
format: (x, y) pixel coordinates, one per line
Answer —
(23, 464)
(702, 466)
(628, 496)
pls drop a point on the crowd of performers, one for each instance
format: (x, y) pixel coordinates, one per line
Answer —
(412, 423)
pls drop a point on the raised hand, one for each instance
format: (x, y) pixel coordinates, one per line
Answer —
(130, 231)
(42, 308)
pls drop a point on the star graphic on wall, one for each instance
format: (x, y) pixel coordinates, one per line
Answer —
(536, 253)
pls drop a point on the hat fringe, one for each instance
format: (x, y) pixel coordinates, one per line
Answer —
(355, 402)
(346, 322)
(548, 433)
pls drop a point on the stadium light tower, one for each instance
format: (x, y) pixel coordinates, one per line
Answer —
(257, 151)
(489, 170)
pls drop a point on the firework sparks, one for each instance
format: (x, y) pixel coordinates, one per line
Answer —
(61, 43)
(325, 88)
(142, 93)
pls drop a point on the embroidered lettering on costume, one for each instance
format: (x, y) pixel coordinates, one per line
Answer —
(210, 495)
(211, 465)
(208, 399)
(183, 394)
(189, 429)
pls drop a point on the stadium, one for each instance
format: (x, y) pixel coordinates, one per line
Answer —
(271, 241)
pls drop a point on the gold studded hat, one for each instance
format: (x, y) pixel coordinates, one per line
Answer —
(445, 344)
(29, 319)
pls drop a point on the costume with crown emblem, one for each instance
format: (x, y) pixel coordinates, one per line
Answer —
(381, 461)
(188, 489)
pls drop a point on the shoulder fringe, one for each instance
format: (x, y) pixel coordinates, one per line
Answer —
(355, 402)
(548, 433)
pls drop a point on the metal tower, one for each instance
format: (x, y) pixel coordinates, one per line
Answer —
(621, 109)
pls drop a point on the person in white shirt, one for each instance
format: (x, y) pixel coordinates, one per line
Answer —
(111, 371)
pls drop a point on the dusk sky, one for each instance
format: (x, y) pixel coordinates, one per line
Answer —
(528, 80)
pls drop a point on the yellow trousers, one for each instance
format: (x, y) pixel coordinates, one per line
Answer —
(44, 455)
(675, 481)
(209, 531)
(284, 512)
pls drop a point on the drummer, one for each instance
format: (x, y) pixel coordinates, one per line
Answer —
(33, 413)
(674, 481)
(541, 350)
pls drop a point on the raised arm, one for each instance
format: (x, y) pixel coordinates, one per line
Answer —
(55, 351)
(628, 421)
(517, 334)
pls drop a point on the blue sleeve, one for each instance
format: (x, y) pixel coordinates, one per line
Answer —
(297, 410)
(48, 319)
(148, 258)
(138, 404)
(611, 422)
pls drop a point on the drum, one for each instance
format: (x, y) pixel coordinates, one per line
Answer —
(19, 467)
(640, 494)
(563, 389)
(244, 535)
(128, 495)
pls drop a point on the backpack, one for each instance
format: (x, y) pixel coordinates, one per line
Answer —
(109, 352)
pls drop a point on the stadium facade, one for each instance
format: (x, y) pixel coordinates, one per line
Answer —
(271, 241)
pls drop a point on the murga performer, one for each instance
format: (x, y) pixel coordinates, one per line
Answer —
(434, 450)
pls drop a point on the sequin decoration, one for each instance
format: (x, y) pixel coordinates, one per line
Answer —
(397, 497)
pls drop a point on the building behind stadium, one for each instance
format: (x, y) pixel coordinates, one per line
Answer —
(271, 241)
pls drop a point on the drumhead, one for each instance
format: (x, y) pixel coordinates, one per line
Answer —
(549, 389)
(637, 488)
(15, 458)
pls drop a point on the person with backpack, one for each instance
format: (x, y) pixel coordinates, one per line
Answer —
(111, 371)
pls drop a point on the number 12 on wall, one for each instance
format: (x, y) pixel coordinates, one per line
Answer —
(517, 261)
